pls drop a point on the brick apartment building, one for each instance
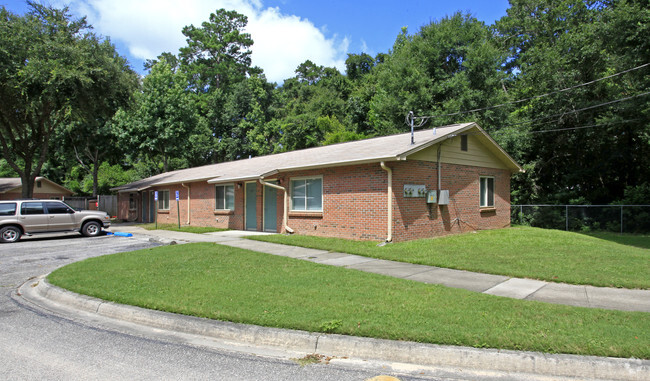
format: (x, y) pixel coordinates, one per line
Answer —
(451, 179)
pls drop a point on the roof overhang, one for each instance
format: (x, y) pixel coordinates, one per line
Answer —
(250, 177)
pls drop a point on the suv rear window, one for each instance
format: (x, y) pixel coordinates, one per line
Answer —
(31, 208)
(8, 209)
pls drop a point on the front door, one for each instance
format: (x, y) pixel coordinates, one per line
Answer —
(153, 208)
(270, 209)
(251, 206)
(145, 206)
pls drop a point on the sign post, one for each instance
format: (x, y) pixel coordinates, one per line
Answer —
(178, 210)
(155, 197)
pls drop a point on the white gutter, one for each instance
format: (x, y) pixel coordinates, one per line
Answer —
(390, 201)
(188, 202)
(285, 217)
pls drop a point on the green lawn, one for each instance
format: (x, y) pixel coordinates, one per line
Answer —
(186, 229)
(238, 285)
(525, 252)
(638, 240)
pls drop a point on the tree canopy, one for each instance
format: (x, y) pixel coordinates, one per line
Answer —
(562, 85)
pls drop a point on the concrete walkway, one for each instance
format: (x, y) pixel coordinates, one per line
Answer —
(557, 293)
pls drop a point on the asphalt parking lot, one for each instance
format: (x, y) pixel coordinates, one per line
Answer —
(34, 256)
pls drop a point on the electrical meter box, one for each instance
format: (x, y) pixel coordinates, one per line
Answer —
(443, 199)
(432, 197)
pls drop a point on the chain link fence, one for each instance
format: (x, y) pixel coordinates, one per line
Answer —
(585, 218)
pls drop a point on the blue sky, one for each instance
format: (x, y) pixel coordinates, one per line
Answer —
(286, 32)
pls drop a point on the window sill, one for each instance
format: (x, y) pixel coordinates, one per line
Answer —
(306, 214)
(223, 212)
(489, 209)
(160, 211)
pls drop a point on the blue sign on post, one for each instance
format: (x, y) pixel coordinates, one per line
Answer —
(178, 210)
(155, 197)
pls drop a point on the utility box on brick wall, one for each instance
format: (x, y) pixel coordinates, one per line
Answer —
(432, 197)
(443, 199)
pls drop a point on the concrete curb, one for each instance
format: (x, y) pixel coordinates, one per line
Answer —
(40, 292)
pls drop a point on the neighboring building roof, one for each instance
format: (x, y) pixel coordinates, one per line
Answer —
(384, 148)
(8, 184)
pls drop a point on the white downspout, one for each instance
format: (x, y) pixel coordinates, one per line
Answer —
(285, 217)
(188, 202)
(390, 201)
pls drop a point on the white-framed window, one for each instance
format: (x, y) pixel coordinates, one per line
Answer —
(224, 197)
(487, 191)
(163, 200)
(307, 194)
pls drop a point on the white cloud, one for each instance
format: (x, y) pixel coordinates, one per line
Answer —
(150, 27)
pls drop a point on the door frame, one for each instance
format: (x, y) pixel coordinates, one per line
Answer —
(145, 206)
(275, 202)
(246, 184)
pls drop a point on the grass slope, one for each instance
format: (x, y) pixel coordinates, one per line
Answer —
(237, 285)
(524, 252)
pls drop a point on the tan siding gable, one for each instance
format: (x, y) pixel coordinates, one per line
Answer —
(48, 188)
(477, 154)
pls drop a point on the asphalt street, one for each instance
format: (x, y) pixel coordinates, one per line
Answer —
(39, 344)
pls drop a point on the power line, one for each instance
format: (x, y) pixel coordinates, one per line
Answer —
(501, 131)
(571, 112)
(582, 109)
(423, 119)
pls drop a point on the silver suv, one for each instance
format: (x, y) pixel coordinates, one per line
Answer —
(18, 217)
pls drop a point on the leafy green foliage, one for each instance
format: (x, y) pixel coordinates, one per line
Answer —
(81, 181)
(164, 120)
(208, 104)
(218, 53)
(559, 44)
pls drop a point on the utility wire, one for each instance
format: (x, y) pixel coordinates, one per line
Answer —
(424, 119)
(501, 131)
(566, 113)
(582, 109)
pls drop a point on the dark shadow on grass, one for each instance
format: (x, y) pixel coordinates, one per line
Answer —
(637, 240)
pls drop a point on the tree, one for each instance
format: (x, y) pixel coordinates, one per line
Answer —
(596, 149)
(164, 120)
(218, 53)
(358, 65)
(91, 134)
(46, 70)
(448, 66)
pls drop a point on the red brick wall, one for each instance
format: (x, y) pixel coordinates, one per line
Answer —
(414, 218)
(354, 203)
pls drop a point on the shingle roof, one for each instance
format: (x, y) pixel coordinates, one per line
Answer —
(9, 183)
(15, 183)
(385, 148)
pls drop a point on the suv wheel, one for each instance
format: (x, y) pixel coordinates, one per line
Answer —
(10, 234)
(91, 229)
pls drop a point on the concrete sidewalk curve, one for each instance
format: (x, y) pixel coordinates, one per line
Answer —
(473, 363)
(498, 285)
